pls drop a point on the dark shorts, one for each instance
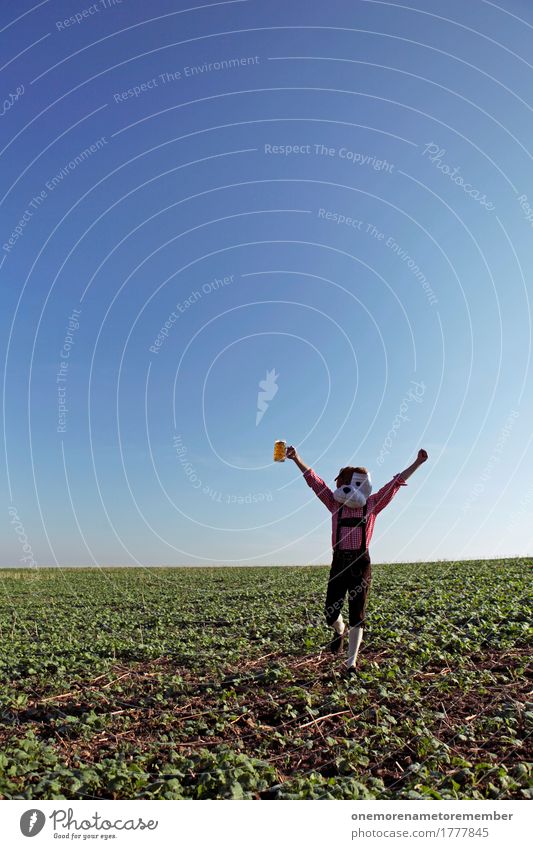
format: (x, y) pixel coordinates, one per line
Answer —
(350, 573)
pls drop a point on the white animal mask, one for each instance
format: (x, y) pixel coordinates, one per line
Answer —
(356, 493)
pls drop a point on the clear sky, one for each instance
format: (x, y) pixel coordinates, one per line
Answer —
(334, 198)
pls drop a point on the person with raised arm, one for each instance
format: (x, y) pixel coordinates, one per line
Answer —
(354, 509)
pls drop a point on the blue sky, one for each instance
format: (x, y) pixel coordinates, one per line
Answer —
(339, 192)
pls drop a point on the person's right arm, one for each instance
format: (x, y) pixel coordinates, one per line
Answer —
(292, 454)
(319, 487)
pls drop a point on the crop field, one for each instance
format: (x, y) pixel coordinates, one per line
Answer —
(214, 683)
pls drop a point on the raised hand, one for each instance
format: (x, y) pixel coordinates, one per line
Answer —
(422, 456)
(292, 454)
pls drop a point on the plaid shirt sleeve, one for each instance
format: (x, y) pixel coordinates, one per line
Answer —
(385, 495)
(321, 489)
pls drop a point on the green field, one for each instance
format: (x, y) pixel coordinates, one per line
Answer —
(212, 683)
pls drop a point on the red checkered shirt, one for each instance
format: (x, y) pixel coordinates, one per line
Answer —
(351, 537)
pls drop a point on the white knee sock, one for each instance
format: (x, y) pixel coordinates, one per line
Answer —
(355, 637)
(339, 624)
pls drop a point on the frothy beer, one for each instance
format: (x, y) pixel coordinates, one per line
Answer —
(280, 450)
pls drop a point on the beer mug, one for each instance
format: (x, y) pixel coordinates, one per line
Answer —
(280, 450)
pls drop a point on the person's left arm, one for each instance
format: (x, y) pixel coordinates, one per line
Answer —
(385, 495)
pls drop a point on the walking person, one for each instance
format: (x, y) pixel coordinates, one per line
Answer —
(354, 510)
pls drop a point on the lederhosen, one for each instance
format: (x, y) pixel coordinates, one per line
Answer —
(350, 573)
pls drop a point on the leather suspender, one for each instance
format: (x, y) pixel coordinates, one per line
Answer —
(351, 522)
